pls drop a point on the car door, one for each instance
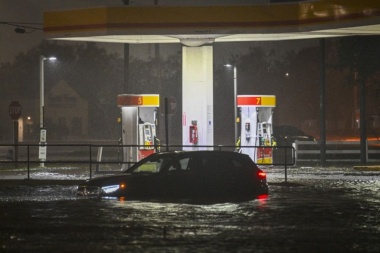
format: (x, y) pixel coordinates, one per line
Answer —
(225, 175)
(182, 180)
(216, 175)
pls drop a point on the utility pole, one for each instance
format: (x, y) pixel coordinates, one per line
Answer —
(126, 61)
(322, 102)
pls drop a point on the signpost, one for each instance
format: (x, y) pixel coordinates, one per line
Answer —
(15, 113)
(42, 148)
(170, 108)
(15, 110)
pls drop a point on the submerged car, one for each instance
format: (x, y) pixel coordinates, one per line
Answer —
(192, 175)
(286, 135)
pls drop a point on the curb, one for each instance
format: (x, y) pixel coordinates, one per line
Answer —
(287, 184)
(37, 182)
(367, 168)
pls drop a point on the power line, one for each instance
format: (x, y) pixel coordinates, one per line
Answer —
(21, 26)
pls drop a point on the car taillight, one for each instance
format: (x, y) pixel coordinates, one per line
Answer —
(261, 174)
(262, 196)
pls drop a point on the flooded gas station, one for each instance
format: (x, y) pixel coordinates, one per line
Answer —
(334, 209)
(312, 209)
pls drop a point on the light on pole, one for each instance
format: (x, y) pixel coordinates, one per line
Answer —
(235, 94)
(42, 146)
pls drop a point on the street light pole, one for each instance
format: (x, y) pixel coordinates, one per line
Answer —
(42, 146)
(42, 97)
(235, 104)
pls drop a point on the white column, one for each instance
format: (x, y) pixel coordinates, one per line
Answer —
(197, 94)
(249, 131)
(129, 133)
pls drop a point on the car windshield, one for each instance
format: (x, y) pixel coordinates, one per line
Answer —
(190, 162)
(152, 164)
(288, 131)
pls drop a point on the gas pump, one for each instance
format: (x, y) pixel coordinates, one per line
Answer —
(147, 133)
(256, 126)
(247, 131)
(265, 133)
(265, 153)
(138, 121)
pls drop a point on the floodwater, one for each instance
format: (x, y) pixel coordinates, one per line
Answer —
(318, 211)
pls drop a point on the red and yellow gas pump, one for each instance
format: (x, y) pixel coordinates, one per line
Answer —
(256, 126)
(138, 114)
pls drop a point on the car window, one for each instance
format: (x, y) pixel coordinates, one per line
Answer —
(153, 166)
(295, 131)
(195, 163)
(288, 131)
(240, 163)
(179, 164)
(224, 163)
(191, 162)
(217, 163)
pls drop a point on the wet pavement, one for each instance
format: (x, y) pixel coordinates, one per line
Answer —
(334, 209)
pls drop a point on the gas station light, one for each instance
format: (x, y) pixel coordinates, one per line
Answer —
(235, 105)
(42, 149)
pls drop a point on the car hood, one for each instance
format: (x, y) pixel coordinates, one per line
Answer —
(299, 137)
(305, 138)
(109, 180)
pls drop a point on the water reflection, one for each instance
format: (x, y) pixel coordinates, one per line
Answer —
(318, 216)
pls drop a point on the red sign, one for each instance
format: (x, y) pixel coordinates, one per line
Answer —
(15, 110)
(130, 100)
(241, 101)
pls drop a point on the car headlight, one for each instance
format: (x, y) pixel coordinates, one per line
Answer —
(110, 188)
(113, 188)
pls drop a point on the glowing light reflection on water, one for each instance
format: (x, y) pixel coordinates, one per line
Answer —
(319, 215)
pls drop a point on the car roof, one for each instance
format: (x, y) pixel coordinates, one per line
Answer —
(193, 153)
(287, 129)
(200, 152)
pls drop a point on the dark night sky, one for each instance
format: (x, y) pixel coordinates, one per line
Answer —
(31, 11)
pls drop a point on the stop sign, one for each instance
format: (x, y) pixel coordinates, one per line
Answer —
(15, 110)
(172, 105)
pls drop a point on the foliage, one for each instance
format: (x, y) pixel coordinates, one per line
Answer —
(156, 76)
(262, 70)
(361, 54)
(96, 75)
(258, 73)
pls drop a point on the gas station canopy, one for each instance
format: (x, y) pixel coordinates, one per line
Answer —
(200, 25)
(197, 26)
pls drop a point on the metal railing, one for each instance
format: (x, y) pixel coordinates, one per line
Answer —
(103, 159)
(336, 151)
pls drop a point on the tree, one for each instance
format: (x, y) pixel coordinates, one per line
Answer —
(360, 54)
(87, 68)
(96, 75)
(258, 73)
(163, 77)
